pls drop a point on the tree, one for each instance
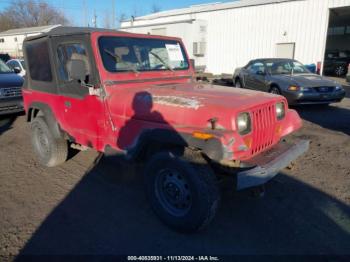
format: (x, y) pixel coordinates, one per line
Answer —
(28, 13)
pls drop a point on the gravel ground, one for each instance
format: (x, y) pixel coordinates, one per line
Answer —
(97, 206)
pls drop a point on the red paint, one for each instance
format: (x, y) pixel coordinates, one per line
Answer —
(97, 122)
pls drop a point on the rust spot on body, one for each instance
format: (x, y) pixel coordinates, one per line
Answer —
(177, 101)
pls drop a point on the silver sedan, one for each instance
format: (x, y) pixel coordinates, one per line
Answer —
(289, 78)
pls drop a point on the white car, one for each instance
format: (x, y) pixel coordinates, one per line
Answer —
(18, 66)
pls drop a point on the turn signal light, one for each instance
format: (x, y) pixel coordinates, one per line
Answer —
(248, 141)
(201, 135)
(278, 130)
(293, 88)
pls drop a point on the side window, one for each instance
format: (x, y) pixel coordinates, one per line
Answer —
(67, 52)
(15, 64)
(256, 67)
(11, 65)
(39, 61)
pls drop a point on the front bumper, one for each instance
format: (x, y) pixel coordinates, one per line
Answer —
(268, 164)
(11, 105)
(300, 98)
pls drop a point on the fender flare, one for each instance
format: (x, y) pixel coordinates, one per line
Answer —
(35, 108)
(171, 138)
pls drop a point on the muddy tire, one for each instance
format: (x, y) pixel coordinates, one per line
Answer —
(49, 150)
(183, 191)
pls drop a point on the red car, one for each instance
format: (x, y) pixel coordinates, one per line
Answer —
(134, 95)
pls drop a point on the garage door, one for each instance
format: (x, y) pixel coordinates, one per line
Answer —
(285, 50)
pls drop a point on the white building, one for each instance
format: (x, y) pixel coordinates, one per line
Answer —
(223, 36)
(11, 41)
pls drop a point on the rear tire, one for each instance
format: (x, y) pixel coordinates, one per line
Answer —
(183, 191)
(238, 83)
(49, 150)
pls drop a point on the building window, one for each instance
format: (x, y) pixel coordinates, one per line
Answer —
(202, 29)
(2, 40)
(338, 30)
(39, 61)
(347, 31)
(199, 48)
(159, 31)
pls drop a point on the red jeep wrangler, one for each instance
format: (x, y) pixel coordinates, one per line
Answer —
(135, 95)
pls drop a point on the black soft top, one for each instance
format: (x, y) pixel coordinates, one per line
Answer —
(69, 30)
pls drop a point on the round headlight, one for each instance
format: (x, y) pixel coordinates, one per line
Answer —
(280, 110)
(244, 123)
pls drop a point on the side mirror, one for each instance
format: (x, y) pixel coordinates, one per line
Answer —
(260, 73)
(17, 70)
(76, 70)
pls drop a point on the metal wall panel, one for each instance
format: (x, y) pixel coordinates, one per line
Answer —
(235, 36)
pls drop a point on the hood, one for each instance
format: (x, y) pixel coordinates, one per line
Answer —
(306, 80)
(189, 105)
(196, 96)
(10, 80)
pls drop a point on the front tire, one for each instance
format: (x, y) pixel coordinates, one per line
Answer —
(275, 90)
(49, 150)
(183, 191)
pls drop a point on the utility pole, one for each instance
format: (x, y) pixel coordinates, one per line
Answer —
(94, 21)
(85, 22)
(113, 14)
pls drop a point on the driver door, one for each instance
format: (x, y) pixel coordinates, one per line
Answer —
(84, 115)
(256, 76)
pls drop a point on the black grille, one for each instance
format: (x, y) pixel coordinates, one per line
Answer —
(10, 92)
(325, 89)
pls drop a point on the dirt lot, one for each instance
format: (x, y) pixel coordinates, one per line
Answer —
(92, 206)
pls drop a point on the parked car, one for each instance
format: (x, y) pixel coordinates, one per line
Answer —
(134, 95)
(18, 66)
(10, 91)
(5, 57)
(336, 63)
(289, 78)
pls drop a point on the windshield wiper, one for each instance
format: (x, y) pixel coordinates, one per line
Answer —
(162, 61)
(118, 58)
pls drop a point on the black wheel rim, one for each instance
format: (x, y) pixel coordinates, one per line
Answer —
(339, 71)
(173, 192)
(41, 142)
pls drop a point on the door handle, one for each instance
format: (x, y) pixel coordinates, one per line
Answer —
(67, 104)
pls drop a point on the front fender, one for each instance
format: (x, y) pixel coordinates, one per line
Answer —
(291, 122)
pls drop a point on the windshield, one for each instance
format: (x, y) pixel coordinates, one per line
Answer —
(124, 54)
(282, 67)
(4, 68)
(23, 64)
